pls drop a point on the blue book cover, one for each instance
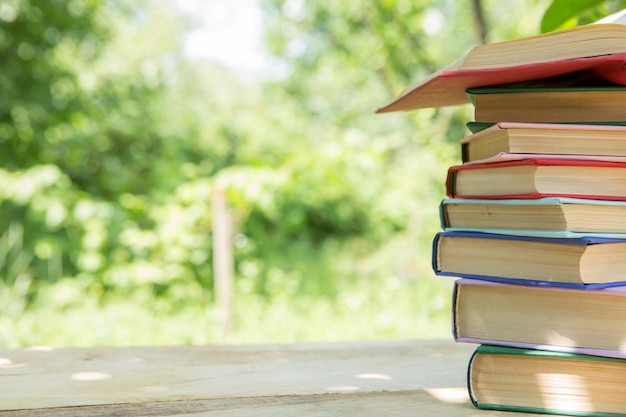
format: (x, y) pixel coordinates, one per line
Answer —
(582, 262)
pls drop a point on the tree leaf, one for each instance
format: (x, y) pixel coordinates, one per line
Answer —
(561, 11)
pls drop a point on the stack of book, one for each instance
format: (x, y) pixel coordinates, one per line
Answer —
(534, 225)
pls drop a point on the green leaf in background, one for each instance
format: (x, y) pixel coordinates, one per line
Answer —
(560, 12)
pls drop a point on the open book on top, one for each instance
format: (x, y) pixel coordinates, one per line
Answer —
(596, 49)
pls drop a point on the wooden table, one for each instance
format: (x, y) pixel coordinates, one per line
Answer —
(386, 378)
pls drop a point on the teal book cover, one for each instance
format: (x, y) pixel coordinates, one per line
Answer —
(542, 217)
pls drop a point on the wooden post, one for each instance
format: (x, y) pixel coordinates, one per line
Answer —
(223, 259)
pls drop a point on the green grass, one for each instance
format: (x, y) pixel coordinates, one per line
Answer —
(367, 309)
(325, 295)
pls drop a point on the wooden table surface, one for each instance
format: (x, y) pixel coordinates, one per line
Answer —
(386, 378)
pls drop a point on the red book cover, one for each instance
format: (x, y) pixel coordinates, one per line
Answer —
(453, 172)
(447, 87)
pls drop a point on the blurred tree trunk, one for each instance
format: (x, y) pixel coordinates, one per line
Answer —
(479, 22)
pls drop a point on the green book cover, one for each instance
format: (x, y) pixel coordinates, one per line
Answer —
(512, 89)
(475, 127)
(570, 358)
(548, 104)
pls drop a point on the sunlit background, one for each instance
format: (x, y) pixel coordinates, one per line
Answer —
(124, 125)
(230, 33)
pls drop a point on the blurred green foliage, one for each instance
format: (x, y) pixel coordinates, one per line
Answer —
(112, 144)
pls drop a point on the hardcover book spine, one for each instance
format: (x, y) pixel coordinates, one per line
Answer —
(455, 328)
(470, 386)
(465, 157)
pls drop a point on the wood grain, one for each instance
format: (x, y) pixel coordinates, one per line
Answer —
(395, 378)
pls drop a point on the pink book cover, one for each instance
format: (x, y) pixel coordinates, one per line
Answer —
(506, 156)
(615, 353)
(447, 87)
